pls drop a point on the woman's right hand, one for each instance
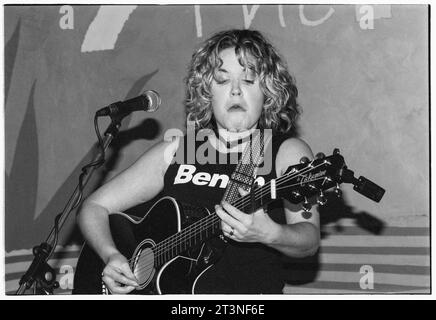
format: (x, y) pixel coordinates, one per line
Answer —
(117, 275)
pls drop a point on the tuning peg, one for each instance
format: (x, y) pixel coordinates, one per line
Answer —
(304, 160)
(320, 155)
(338, 191)
(306, 206)
(293, 170)
(327, 180)
(321, 199)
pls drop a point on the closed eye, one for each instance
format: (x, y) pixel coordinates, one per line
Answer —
(222, 81)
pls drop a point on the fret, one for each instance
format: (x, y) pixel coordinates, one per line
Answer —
(180, 248)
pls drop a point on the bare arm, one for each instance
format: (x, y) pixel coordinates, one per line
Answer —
(299, 237)
(139, 183)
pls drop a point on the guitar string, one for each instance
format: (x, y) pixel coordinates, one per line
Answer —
(244, 201)
(164, 249)
(209, 222)
(238, 202)
(203, 223)
(150, 264)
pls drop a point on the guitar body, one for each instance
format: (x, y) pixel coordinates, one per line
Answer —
(137, 239)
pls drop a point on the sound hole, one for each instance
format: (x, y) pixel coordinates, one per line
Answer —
(144, 266)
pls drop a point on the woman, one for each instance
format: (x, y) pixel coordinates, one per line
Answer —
(236, 83)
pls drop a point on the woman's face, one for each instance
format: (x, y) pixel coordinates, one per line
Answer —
(237, 99)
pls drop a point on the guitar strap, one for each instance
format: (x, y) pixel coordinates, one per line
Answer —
(246, 170)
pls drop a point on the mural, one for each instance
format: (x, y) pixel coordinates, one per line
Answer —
(362, 75)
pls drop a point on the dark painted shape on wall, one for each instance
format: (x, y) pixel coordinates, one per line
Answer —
(21, 185)
(10, 56)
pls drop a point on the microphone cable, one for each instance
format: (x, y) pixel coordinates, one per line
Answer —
(97, 163)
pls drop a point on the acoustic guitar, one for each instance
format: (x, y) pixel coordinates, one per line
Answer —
(169, 251)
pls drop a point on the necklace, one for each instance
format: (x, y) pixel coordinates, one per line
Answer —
(234, 143)
(233, 139)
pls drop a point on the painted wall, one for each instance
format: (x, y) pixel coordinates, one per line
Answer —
(362, 75)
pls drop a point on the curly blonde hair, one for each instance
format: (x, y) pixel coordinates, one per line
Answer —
(281, 109)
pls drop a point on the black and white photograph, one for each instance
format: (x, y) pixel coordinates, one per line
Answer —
(210, 150)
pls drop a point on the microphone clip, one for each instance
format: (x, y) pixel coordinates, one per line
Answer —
(112, 110)
(362, 185)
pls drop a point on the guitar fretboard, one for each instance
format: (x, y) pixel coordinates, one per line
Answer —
(207, 227)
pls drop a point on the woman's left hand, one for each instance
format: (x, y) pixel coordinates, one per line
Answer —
(243, 227)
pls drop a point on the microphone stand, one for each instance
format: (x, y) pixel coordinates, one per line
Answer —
(39, 271)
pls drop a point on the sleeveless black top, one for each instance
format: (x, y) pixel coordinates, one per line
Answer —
(244, 268)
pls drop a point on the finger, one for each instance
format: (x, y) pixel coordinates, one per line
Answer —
(226, 217)
(229, 232)
(115, 275)
(260, 211)
(242, 192)
(125, 289)
(233, 234)
(115, 287)
(236, 214)
(125, 269)
(227, 229)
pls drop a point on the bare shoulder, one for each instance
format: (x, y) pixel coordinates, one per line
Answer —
(155, 160)
(138, 183)
(290, 153)
(160, 154)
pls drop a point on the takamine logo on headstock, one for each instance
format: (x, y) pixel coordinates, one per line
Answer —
(306, 178)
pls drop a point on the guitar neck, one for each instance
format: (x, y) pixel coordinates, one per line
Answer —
(207, 227)
(296, 185)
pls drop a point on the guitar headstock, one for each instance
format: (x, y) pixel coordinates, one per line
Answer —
(310, 178)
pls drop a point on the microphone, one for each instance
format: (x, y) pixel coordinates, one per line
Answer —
(148, 101)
